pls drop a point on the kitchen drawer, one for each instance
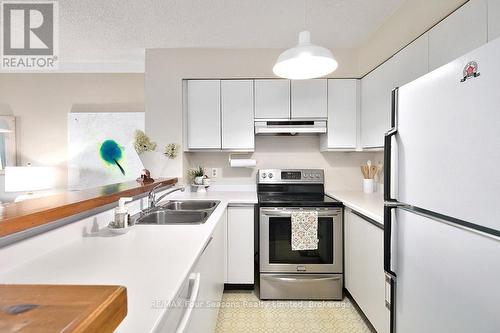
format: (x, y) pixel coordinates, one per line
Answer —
(178, 310)
(301, 286)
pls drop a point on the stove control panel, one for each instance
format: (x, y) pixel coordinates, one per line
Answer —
(293, 176)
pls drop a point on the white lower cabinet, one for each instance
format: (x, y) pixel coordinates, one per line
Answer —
(240, 245)
(364, 268)
(195, 310)
(210, 266)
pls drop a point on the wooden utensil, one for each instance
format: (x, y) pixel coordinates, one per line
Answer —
(364, 171)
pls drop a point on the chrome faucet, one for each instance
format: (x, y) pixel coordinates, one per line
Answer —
(153, 201)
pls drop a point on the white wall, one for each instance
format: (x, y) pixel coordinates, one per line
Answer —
(41, 102)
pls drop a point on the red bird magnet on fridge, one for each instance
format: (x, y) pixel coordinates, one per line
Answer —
(470, 70)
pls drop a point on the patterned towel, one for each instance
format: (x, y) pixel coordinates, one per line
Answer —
(305, 230)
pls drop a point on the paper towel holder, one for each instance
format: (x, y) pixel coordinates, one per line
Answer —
(242, 162)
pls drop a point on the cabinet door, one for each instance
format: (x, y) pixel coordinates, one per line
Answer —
(272, 99)
(364, 269)
(411, 62)
(237, 115)
(342, 113)
(240, 245)
(493, 19)
(309, 98)
(376, 92)
(459, 33)
(210, 266)
(203, 114)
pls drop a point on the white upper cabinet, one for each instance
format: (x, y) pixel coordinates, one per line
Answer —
(461, 32)
(272, 99)
(376, 91)
(237, 115)
(343, 104)
(411, 62)
(309, 98)
(203, 114)
(493, 19)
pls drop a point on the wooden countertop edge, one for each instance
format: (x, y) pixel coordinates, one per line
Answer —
(90, 308)
(107, 316)
(32, 216)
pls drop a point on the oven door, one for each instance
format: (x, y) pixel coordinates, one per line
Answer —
(276, 254)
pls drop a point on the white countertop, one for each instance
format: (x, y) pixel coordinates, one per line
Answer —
(151, 261)
(370, 205)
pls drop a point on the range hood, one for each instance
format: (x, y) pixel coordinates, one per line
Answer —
(290, 127)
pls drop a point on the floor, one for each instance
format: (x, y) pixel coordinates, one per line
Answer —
(242, 311)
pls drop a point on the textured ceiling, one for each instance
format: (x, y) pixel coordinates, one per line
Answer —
(122, 28)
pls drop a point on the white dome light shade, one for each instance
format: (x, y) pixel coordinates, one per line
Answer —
(305, 61)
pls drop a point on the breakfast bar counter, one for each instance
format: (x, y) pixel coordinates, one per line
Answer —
(21, 216)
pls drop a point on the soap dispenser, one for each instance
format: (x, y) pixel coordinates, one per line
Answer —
(121, 213)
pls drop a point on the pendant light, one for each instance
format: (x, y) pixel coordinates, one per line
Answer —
(306, 60)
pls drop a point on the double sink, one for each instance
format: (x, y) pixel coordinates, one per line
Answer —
(179, 212)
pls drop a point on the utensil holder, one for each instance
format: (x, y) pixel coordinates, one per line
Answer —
(368, 185)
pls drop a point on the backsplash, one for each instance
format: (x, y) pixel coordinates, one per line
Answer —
(341, 168)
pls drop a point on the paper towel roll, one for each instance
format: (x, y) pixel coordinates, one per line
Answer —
(243, 163)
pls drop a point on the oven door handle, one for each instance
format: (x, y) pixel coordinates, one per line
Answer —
(288, 213)
(286, 278)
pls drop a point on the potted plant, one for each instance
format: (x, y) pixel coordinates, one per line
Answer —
(197, 174)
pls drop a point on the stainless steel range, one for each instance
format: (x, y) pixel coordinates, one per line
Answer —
(298, 274)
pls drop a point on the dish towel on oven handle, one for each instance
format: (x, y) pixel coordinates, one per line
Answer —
(305, 230)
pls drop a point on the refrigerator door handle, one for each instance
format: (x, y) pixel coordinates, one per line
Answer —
(390, 203)
(388, 146)
(388, 239)
(390, 300)
(390, 276)
(388, 289)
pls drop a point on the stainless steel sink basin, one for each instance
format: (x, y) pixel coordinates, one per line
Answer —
(163, 216)
(183, 205)
(179, 212)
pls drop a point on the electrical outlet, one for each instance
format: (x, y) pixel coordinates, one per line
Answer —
(215, 172)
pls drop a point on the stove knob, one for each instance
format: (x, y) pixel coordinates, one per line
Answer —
(316, 175)
(306, 175)
(264, 175)
(270, 175)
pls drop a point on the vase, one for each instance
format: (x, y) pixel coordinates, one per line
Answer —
(368, 186)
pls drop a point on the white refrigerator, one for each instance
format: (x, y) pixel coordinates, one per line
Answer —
(442, 199)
